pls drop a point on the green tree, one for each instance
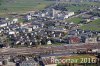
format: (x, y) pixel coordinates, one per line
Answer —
(0, 2)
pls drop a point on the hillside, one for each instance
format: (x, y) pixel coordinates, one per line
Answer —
(94, 25)
(22, 5)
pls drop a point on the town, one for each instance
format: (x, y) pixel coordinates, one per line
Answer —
(33, 38)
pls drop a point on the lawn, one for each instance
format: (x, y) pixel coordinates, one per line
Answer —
(94, 25)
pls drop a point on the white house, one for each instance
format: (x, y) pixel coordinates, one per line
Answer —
(63, 15)
(71, 13)
(11, 32)
(6, 18)
(15, 20)
(66, 16)
(49, 42)
(29, 29)
(29, 17)
(35, 26)
(3, 24)
(43, 15)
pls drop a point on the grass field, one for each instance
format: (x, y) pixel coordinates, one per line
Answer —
(76, 20)
(80, 6)
(27, 5)
(95, 25)
(76, 8)
(8, 6)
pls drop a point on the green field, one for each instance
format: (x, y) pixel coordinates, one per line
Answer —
(8, 6)
(77, 8)
(73, 6)
(76, 20)
(95, 25)
(27, 5)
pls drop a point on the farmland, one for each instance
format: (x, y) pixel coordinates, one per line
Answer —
(8, 6)
(27, 5)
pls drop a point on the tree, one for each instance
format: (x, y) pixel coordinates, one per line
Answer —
(44, 41)
(0, 2)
